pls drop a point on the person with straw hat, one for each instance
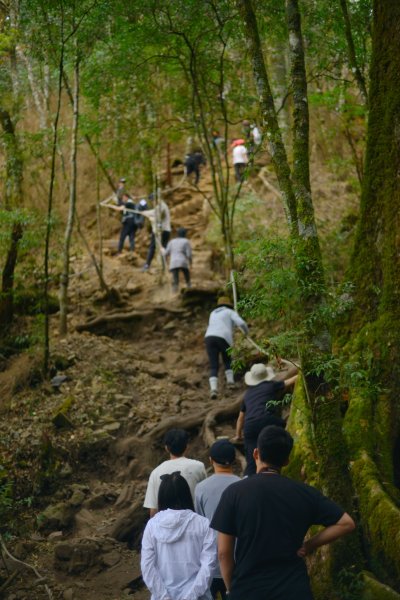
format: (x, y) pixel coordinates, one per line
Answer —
(219, 339)
(254, 413)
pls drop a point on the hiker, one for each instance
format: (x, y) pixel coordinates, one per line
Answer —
(128, 222)
(160, 222)
(139, 219)
(175, 443)
(218, 340)
(179, 553)
(180, 252)
(262, 522)
(239, 159)
(120, 191)
(208, 493)
(218, 142)
(255, 414)
(256, 135)
(246, 130)
(192, 163)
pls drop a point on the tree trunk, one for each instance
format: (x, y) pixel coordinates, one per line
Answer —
(273, 136)
(46, 355)
(13, 199)
(7, 289)
(14, 163)
(323, 409)
(358, 76)
(64, 279)
(372, 421)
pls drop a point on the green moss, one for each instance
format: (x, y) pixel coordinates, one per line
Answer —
(303, 464)
(380, 519)
(375, 590)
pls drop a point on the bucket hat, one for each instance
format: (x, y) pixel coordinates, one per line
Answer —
(259, 373)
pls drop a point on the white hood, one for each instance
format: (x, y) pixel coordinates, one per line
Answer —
(170, 525)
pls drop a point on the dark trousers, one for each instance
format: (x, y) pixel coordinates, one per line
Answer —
(218, 585)
(152, 248)
(216, 346)
(128, 230)
(193, 169)
(175, 276)
(239, 171)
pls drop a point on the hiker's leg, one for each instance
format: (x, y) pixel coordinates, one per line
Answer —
(213, 354)
(123, 234)
(249, 445)
(152, 249)
(132, 233)
(175, 279)
(165, 235)
(186, 274)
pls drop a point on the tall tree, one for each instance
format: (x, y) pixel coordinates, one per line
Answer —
(13, 194)
(372, 421)
(64, 277)
(316, 346)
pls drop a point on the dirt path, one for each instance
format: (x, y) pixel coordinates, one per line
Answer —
(119, 386)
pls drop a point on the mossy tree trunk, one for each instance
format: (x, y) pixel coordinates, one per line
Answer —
(13, 200)
(323, 406)
(372, 332)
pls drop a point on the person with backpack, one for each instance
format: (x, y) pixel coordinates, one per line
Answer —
(219, 339)
(179, 251)
(192, 163)
(139, 219)
(128, 222)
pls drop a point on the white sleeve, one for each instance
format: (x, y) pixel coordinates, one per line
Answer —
(239, 322)
(167, 250)
(208, 562)
(150, 573)
(151, 500)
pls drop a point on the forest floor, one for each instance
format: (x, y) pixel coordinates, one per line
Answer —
(79, 444)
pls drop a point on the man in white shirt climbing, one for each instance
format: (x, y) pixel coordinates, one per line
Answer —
(193, 471)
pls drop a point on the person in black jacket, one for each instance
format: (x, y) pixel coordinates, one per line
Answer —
(192, 163)
(255, 414)
(129, 226)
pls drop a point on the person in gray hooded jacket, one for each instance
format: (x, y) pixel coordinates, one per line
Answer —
(219, 339)
(179, 251)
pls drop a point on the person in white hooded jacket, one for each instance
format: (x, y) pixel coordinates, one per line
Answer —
(178, 547)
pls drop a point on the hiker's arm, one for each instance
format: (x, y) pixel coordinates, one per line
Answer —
(291, 368)
(226, 547)
(344, 526)
(290, 381)
(239, 426)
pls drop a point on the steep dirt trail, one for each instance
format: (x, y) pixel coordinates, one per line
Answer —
(119, 387)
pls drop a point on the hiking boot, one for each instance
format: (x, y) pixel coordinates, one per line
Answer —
(145, 268)
(213, 387)
(230, 381)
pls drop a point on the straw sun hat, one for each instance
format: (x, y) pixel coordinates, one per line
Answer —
(259, 373)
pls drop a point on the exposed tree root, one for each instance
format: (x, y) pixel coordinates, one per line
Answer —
(140, 452)
(111, 320)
